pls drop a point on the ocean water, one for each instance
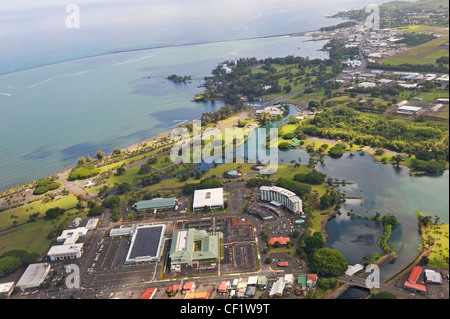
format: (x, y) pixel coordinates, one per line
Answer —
(58, 113)
(67, 93)
(34, 33)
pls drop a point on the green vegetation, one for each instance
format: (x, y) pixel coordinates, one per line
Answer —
(414, 39)
(83, 172)
(435, 240)
(271, 77)
(421, 58)
(341, 25)
(308, 244)
(179, 79)
(14, 259)
(55, 212)
(314, 177)
(396, 134)
(45, 185)
(405, 13)
(326, 261)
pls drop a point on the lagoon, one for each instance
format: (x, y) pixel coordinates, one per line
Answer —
(385, 188)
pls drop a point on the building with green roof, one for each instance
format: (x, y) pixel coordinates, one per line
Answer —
(301, 280)
(190, 245)
(157, 203)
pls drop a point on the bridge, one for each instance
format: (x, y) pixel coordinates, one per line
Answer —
(361, 283)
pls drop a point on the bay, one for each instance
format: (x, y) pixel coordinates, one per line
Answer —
(55, 114)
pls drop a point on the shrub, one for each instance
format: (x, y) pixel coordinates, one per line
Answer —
(84, 172)
(283, 146)
(40, 190)
(54, 185)
(336, 151)
(288, 136)
(43, 182)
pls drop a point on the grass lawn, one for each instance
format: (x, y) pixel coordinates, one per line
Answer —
(439, 235)
(431, 96)
(32, 237)
(296, 86)
(23, 212)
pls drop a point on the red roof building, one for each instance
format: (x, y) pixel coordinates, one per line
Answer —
(149, 293)
(197, 295)
(415, 274)
(281, 240)
(189, 287)
(222, 287)
(311, 277)
(417, 287)
(283, 264)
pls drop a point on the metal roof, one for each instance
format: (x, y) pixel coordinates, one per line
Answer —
(156, 203)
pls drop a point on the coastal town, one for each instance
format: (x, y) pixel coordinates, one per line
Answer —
(135, 225)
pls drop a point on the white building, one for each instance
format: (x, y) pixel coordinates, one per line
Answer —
(211, 197)
(33, 276)
(407, 109)
(92, 223)
(64, 252)
(6, 288)
(118, 231)
(281, 196)
(278, 287)
(68, 249)
(433, 277)
(70, 236)
(367, 85)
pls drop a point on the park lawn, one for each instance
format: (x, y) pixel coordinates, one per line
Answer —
(426, 53)
(32, 237)
(288, 171)
(289, 128)
(114, 166)
(431, 96)
(163, 162)
(24, 211)
(439, 234)
(300, 85)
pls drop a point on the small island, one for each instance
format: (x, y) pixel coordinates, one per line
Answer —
(179, 79)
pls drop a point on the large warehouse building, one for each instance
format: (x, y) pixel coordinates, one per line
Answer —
(281, 196)
(157, 203)
(146, 244)
(33, 276)
(189, 245)
(211, 197)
